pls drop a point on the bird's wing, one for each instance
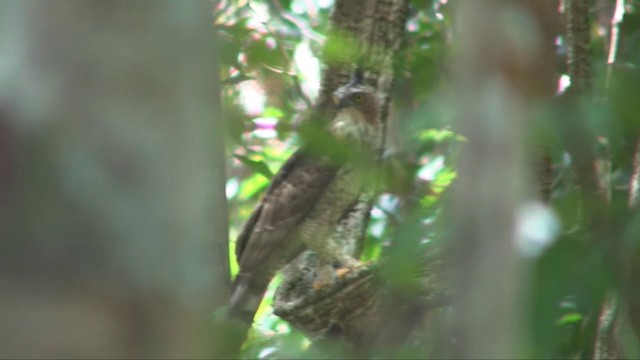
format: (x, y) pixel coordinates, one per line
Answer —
(292, 194)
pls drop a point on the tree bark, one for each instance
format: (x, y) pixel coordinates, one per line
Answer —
(592, 175)
(578, 38)
(501, 74)
(365, 34)
(112, 210)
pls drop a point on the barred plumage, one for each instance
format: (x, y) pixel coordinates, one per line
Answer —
(304, 203)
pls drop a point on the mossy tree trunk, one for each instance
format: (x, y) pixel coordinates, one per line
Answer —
(365, 34)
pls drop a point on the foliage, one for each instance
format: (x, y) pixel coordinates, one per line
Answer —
(271, 73)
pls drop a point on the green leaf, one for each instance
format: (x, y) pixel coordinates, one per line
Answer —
(278, 154)
(237, 79)
(569, 318)
(257, 166)
(233, 263)
(272, 112)
(259, 53)
(252, 186)
(439, 135)
(335, 45)
(372, 251)
(443, 179)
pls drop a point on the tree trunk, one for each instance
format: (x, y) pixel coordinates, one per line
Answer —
(112, 206)
(500, 77)
(365, 34)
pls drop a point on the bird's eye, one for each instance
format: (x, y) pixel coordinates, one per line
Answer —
(358, 97)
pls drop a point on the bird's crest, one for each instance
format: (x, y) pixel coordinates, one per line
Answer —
(357, 77)
(356, 82)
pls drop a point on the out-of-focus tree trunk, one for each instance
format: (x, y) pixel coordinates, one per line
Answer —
(112, 208)
(592, 171)
(504, 66)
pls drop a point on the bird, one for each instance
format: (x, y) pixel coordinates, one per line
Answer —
(306, 200)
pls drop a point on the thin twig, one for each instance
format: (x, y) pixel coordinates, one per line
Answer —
(634, 184)
(306, 33)
(615, 36)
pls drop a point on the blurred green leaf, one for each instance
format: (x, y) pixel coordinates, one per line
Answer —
(372, 250)
(257, 166)
(260, 52)
(233, 263)
(273, 112)
(234, 80)
(335, 45)
(439, 135)
(252, 186)
(570, 318)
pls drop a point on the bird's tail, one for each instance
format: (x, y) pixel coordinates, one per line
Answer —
(245, 299)
(246, 296)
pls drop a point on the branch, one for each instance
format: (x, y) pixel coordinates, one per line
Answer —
(615, 36)
(349, 308)
(578, 39)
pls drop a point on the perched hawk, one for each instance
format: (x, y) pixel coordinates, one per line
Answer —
(305, 201)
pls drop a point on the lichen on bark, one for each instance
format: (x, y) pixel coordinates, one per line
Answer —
(366, 35)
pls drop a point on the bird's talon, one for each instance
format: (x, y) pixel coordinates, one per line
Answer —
(341, 272)
(317, 285)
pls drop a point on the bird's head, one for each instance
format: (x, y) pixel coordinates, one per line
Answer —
(357, 116)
